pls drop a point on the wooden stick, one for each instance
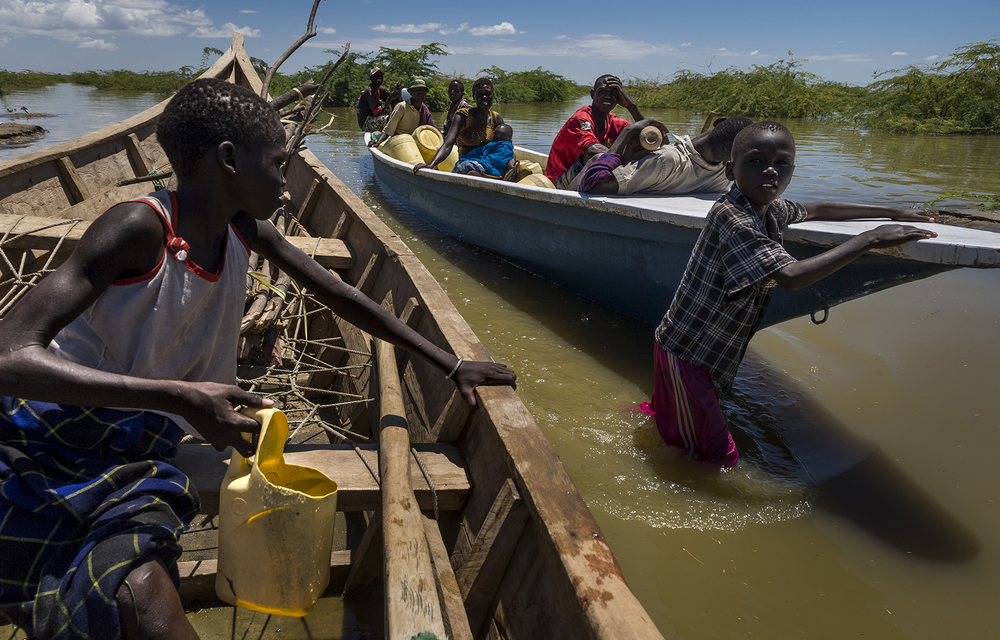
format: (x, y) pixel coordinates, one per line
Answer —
(411, 596)
(292, 49)
(708, 121)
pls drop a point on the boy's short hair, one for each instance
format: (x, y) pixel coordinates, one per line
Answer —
(603, 79)
(744, 137)
(720, 138)
(481, 82)
(208, 112)
(458, 82)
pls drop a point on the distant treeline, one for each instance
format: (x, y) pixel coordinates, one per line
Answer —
(958, 95)
(345, 85)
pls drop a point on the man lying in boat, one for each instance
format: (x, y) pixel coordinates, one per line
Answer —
(590, 131)
(107, 361)
(690, 165)
(470, 128)
(730, 278)
(493, 158)
(408, 114)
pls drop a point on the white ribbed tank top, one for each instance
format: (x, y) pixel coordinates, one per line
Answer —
(177, 322)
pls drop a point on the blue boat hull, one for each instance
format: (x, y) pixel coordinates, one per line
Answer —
(631, 264)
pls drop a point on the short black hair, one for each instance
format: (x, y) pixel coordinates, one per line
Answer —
(745, 137)
(505, 130)
(208, 112)
(603, 78)
(458, 82)
(481, 82)
(720, 137)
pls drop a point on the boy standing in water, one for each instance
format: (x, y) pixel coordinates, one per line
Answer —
(130, 341)
(730, 278)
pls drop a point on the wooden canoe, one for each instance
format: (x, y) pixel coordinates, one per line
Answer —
(505, 546)
(628, 253)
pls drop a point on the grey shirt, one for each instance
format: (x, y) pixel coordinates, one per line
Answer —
(672, 169)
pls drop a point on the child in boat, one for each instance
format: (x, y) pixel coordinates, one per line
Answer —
(106, 362)
(690, 165)
(470, 128)
(456, 95)
(493, 158)
(730, 278)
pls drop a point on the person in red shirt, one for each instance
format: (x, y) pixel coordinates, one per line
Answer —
(590, 131)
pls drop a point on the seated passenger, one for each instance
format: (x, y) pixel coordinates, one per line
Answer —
(690, 165)
(471, 127)
(407, 116)
(493, 158)
(374, 101)
(589, 131)
(456, 93)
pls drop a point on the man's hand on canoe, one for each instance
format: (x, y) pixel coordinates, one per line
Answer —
(417, 167)
(472, 374)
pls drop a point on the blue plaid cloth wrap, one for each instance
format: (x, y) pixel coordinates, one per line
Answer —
(85, 494)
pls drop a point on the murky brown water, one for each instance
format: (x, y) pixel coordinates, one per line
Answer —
(907, 545)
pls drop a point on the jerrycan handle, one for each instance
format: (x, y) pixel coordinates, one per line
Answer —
(271, 445)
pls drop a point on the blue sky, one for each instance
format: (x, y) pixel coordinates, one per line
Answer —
(845, 41)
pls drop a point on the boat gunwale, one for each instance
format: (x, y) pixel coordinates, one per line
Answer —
(949, 249)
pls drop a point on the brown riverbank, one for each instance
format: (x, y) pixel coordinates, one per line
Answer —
(16, 132)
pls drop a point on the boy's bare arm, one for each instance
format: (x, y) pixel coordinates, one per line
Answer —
(128, 239)
(803, 273)
(832, 211)
(360, 310)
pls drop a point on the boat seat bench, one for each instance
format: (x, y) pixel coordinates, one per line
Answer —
(45, 233)
(357, 489)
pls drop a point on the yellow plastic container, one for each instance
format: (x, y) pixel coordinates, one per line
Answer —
(428, 141)
(402, 147)
(537, 180)
(275, 527)
(532, 167)
(448, 163)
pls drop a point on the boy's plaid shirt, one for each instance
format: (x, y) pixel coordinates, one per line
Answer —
(726, 286)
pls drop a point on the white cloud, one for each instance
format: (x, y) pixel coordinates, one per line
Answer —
(843, 57)
(560, 37)
(410, 28)
(930, 58)
(899, 53)
(598, 46)
(753, 53)
(4, 40)
(327, 30)
(80, 20)
(225, 31)
(502, 29)
(685, 44)
(248, 11)
(97, 44)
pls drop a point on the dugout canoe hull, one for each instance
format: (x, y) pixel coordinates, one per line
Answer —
(546, 573)
(628, 253)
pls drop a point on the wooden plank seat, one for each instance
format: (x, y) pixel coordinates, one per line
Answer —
(357, 489)
(45, 233)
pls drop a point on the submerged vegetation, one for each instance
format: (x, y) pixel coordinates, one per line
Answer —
(959, 95)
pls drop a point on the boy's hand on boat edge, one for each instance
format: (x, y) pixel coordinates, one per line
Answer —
(911, 215)
(473, 373)
(417, 167)
(891, 235)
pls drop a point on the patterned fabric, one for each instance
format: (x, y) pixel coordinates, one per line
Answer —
(726, 286)
(600, 170)
(375, 123)
(475, 133)
(452, 109)
(85, 494)
(370, 106)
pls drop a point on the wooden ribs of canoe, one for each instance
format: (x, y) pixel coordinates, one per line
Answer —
(521, 556)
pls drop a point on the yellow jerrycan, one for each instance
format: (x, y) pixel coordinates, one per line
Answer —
(428, 141)
(275, 527)
(402, 147)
